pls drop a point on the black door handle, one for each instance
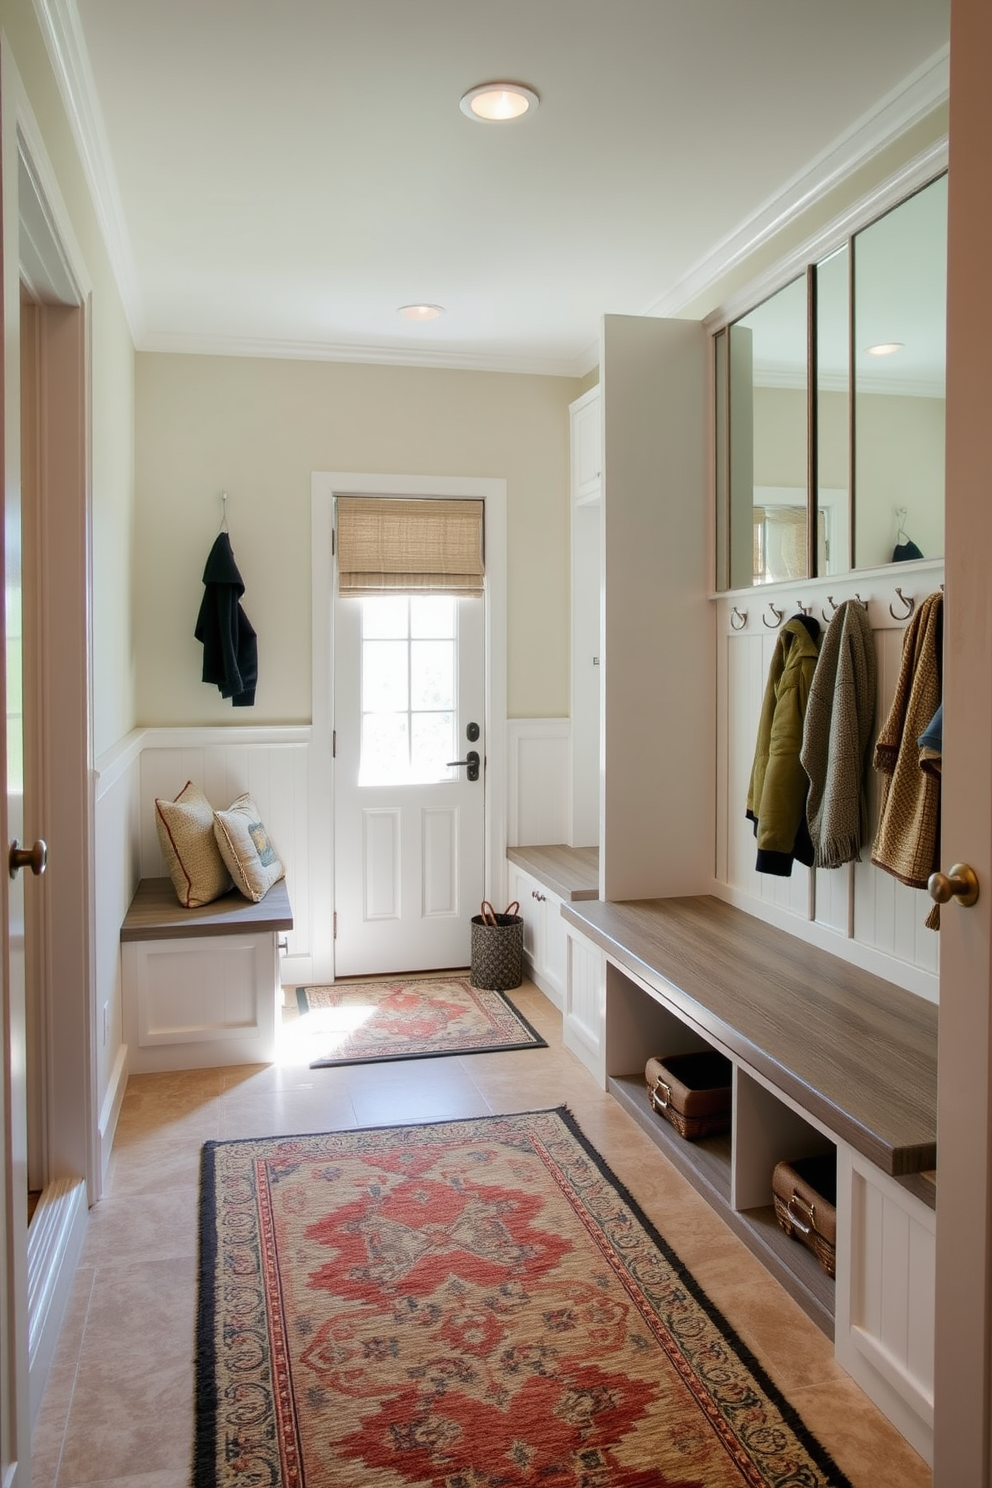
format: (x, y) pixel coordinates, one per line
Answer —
(472, 760)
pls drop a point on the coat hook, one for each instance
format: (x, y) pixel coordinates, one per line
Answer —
(741, 618)
(779, 616)
(223, 507)
(908, 601)
(863, 602)
(806, 609)
(833, 608)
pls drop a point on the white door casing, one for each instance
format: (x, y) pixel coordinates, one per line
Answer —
(40, 251)
(325, 486)
(409, 858)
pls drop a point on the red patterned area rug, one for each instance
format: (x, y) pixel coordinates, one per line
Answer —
(410, 1018)
(469, 1304)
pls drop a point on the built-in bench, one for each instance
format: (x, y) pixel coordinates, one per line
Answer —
(201, 986)
(826, 1057)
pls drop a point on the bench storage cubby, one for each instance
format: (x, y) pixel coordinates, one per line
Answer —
(201, 986)
(828, 1060)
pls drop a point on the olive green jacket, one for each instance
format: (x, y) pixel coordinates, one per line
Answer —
(776, 798)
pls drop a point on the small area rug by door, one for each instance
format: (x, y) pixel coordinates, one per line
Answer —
(411, 1018)
(467, 1304)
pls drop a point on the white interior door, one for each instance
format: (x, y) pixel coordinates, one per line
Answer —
(963, 1355)
(409, 825)
(15, 1469)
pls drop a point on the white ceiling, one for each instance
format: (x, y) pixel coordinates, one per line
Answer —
(279, 176)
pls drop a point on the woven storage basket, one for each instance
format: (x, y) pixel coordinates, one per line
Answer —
(497, 949)
(805, 1196)
(692, 1091)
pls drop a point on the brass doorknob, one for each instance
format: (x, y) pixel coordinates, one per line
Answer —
(960, 884)
(35, 857)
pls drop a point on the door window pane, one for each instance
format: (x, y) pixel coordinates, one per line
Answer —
(432, 674)
(385, 617)
(432, 745)
(385, 676)
(385, 748)
(432, 615)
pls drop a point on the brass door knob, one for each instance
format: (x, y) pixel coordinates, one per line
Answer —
(35, 857)
(960, 884)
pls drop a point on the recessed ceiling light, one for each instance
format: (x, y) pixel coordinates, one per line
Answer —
(494, 103)
(421, 312)
(885, 348)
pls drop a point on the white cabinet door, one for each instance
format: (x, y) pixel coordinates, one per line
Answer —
(586, 610)
(885, 1306)
(587, 446)
(544, 939)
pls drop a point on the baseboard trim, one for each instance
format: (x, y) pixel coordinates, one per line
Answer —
(110, 1112)
(55, 1242)
(542, 983)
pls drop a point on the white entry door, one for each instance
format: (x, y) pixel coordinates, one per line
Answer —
(409, 824)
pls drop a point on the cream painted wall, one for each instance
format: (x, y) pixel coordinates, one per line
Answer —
(112, 391)
(257, 428)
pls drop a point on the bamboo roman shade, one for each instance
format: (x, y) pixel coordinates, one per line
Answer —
(432, 547)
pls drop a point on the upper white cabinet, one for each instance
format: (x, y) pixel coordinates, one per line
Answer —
(586, 572)
(587, 447)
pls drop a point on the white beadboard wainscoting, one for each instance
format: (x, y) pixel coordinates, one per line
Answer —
(272, 766)
(859, 912)
(538, 781)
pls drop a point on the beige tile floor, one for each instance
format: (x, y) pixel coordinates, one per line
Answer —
(118, 1410)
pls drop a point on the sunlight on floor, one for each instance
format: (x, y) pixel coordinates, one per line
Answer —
(318, 1034)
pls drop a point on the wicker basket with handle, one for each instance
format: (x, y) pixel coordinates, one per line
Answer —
(497, 948)
(804, 1192)
(692, 1091)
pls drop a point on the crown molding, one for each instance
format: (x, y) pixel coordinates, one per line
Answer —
(181, 343)
(66, 47)
(916, 97)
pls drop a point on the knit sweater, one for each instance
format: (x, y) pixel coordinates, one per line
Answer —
(907, 839)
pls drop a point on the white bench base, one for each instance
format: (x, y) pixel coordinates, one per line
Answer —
(201, 987)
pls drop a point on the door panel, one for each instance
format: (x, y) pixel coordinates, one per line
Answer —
(409, 827)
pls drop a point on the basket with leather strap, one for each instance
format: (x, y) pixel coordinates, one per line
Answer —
(692, 1091)
(804, 1192)
(497, 948)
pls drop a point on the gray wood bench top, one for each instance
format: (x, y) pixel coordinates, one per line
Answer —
(156, 914)
(569, 872)
(857, 1052)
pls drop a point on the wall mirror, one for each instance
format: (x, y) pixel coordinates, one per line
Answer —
(900, 297)
(830, 408)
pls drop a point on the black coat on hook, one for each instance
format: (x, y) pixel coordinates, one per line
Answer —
(230, 649)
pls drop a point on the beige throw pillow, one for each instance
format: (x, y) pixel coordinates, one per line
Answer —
(245, 847)
(186, 836)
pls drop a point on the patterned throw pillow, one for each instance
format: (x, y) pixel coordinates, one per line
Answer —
(245, 847)
(186, 836)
